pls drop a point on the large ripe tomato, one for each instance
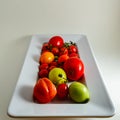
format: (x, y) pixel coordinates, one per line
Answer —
(74, 68)
(44, 90)
(56, 41)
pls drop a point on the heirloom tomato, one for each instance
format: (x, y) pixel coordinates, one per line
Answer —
(44, 90)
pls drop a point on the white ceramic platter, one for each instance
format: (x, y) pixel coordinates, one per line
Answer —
(22, 105)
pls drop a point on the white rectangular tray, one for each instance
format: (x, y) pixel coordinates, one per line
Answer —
(22, 105)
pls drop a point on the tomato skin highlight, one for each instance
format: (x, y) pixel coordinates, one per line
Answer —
(56, 41)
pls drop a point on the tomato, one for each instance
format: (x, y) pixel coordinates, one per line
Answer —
(46, 57)
(62, 91)
(43, 73)
(72, 49)
(43, 66)
(44, 91)
(51, 67)
(74, 55)
(74, 68)
(62, 59)
(63, 51)
(55, 51)
(56, 41)
(53, 63)
(45, 47)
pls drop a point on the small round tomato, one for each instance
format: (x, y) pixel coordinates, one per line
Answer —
(45, 47)
(56, 41)
(53, 63)
(62, 91)
(55, 50)
(62, 59)
(43, 66)
(72, 49)
(43, 73)
(51, 67)
(46, 57)
(63, 51)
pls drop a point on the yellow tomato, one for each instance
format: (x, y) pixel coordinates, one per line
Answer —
(46, 57)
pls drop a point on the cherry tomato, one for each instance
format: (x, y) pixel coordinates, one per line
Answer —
(43, 66)
(55, 50)
(46, 57)
(62, 91)
(53, 63)
(51, 67)
(63, 51)
(62, 59)
(56, 41)
(45, 47)
(43, 73)
(72, 49)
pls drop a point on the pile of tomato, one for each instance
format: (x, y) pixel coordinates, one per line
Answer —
(56, 53)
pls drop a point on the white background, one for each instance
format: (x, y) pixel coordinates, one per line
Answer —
(20, 19)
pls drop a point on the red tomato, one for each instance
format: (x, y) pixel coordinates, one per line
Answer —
(43, 66)
(73, 49)
(44, 91)
(51, 67)
(62, 58)
(53, 63)
(63, 51)
(55, 50)
(43, 73)
(62, 91)
(74, 55)
(56, 41)
(45, 47)
(74, 68)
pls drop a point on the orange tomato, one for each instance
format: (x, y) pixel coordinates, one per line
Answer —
(44, 90)
(46, 57)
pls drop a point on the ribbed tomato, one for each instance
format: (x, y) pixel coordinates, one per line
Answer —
(44, 90)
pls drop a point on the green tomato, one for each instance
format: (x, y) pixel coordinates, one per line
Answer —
(57, 76)
(78, 92)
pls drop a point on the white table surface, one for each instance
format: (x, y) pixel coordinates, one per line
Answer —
(20, 19)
